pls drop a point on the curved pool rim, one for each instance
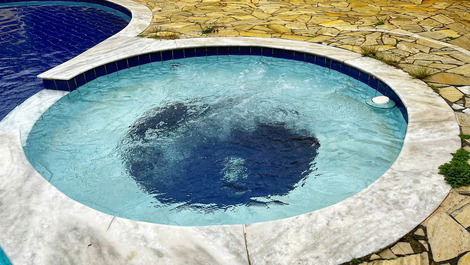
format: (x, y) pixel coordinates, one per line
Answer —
(371, 80)
(332, 65)
(359, 225)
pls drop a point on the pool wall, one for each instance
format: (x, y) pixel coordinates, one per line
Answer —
(83, 78)
(47, 227)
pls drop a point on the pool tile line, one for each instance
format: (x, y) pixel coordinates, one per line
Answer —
(174, 54)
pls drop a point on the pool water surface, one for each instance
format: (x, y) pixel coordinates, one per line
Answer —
(216, 140)
(36, 36)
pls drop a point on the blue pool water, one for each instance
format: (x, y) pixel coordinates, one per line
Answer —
(36, 36)
(215, 140)
(3, 258)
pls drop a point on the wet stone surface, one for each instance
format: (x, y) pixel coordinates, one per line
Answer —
(179, 154)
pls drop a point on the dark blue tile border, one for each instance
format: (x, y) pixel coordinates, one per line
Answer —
(109, 68)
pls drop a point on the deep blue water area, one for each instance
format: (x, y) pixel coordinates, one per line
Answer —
(248, 163)
(36, 36)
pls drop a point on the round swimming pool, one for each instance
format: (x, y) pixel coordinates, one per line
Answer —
(216, 140)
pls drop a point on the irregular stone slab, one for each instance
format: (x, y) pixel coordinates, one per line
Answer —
(387, 254)
(465, 89)
(462, 215)
(462, 70)
(420, 232)
(443, 19)
(425, 244)
(446, 237)
(450, 93)
(417, 259)
(448, 78)
(457, 107)
(464, 260)
(402, 248)
(462, 119)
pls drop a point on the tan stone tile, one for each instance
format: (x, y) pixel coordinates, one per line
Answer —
(462, 215)
(448, 33)
(417, 259)
(446, 237)
(464, 260)
(443, 19)
(450, 93)
(279, 28)
(462, 70)
(402, 248)
(450, 79)
(412, 47)
(463, 42)
(429, 44)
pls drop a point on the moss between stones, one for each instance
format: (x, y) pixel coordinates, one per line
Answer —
(457, 171)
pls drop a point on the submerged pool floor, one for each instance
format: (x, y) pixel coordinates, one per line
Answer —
(215, 140)
(36, 36)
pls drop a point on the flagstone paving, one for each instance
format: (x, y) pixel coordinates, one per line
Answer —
(429, 39)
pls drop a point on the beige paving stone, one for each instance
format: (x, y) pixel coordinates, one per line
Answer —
(334, 23)
(420, 232)
(429, 43)
(328, 31)
(462, 215)
(402, 248)
(413, 47)
(320, 38)
(417, 259)
(389, 40)
(463, 120)
(463, 42)
(450, 79)
(450, 93)
(279, 28)
(448, 33)
(464, 260)
(424, 244)
(261, 15)
(463, 70)
(447, 238)
(441, 66)
(387, 254)
(443, 19)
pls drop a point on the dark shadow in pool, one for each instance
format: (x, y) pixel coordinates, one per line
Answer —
(180, 155)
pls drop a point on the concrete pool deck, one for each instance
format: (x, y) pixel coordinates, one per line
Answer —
(46, 227)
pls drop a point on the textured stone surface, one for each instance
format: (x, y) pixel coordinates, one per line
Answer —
(417, 259)
(449, 79)
(464, 260)
(446, 237)
(419, 232)
(462, 215)
(450, 93)
(402, 248)
(387, 254)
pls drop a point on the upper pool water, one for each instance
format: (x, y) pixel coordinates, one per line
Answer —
(36, 36)
(216, 140)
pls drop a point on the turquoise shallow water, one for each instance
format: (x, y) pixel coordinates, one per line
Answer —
(3, 258)
(216, 140)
